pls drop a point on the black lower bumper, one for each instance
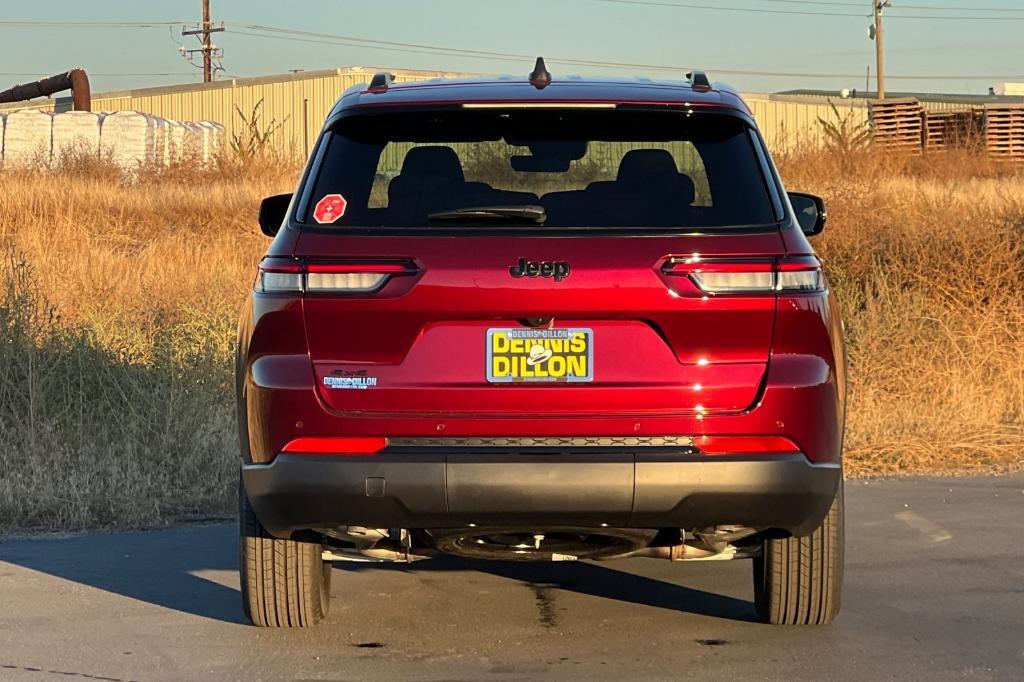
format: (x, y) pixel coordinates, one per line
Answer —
(620, 489)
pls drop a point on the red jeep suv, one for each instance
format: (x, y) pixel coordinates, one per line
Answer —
(540, 319)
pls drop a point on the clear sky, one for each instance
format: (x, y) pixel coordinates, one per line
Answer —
(657, 32)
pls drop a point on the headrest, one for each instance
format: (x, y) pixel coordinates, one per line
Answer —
(434, 161)
(644, 165)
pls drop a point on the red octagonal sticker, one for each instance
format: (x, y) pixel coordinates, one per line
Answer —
(329, 209)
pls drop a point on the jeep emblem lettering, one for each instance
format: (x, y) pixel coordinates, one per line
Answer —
(556, 269)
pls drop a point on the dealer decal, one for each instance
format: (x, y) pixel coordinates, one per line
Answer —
(329, 209)
(527, 355)
(356, 383)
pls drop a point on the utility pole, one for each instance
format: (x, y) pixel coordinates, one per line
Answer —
(877, 6)
(208, 50)
(207, 62)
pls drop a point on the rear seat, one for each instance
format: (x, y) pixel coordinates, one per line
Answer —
(648, 190)
(665, 193)
(432, 180)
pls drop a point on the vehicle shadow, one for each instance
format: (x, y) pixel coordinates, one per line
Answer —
(592, 579)
(190, 570)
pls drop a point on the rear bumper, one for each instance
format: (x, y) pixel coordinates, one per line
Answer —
(434, 488)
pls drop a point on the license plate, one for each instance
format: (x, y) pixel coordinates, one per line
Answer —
(525, 355)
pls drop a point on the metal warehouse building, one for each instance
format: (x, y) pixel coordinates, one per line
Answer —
(300, 101)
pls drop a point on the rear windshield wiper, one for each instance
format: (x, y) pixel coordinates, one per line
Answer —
(535, 214)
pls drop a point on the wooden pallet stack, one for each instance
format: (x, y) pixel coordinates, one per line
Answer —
(896, 124)
(944, 130)
(937, 130)
(1004, 131)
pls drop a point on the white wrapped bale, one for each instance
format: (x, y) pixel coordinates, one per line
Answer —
(174, 142)
(192, 142)
(212, 140)
(28, 138)
(76, 132)
(219, 137)
(129, 138)
(206, 134)
(159, 140)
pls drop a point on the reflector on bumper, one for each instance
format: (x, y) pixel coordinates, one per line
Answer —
(744, 445)
(350, 445)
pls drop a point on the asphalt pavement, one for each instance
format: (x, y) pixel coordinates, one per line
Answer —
(934, 590)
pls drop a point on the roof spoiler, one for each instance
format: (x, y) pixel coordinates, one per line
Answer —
(699, 81)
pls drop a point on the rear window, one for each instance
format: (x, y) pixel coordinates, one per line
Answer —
(545, 168)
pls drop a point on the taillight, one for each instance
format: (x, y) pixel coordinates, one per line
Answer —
(800, 274)
(744, 445)
(353, 277)
(337, 445)
(749, 276)
(281, 275)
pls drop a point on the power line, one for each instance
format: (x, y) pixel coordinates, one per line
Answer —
(827, 3)
(42, 23)
(438, 49)
(408, 50)
(719, 8)
(260, 31)
(12, 23)
(263, 31)
(961, 9)
(756, 10)
(944, 8)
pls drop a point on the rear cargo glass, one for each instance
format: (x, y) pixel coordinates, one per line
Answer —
(584, 167)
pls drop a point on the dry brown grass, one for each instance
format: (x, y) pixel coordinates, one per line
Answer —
(926, 256)
(120, 298)
(118, 307)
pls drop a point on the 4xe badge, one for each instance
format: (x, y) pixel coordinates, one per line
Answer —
(329, 209)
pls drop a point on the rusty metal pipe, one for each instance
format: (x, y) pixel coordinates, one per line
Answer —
(81, 95)
(75, 80)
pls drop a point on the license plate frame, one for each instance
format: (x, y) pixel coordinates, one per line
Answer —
(526, 365)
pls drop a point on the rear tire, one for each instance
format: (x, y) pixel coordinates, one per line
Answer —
(798, 581)
(285, 583)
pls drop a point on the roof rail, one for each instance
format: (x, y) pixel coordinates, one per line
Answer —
(381, 81)
(699, 81)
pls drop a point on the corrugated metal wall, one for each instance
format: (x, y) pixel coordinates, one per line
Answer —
(302, 100)
(299, 101)
(784, 125)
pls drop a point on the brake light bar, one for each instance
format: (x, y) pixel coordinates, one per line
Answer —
(539, 105)
(744, 445)
(337, 445)
(749, 275)
(284, 275)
